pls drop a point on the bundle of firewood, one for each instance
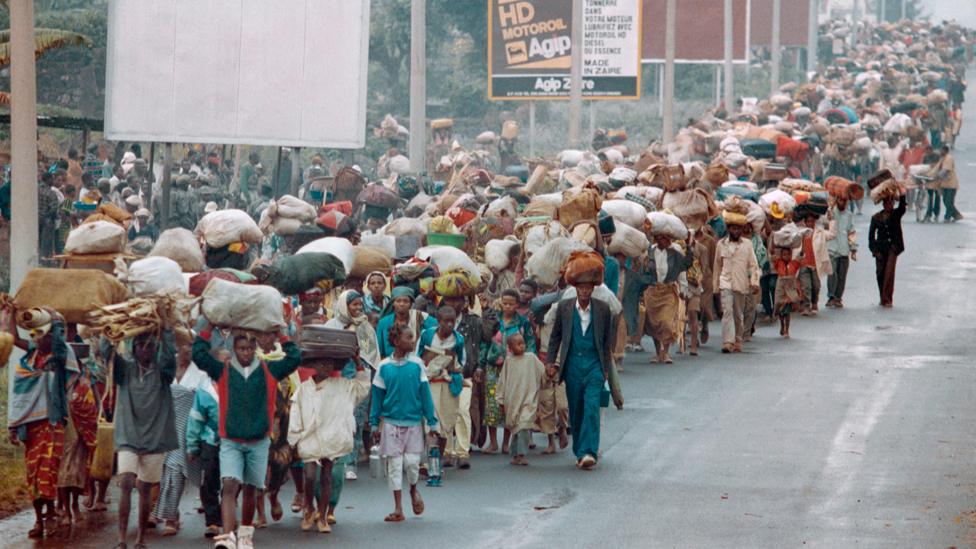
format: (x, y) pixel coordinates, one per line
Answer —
(142, 315)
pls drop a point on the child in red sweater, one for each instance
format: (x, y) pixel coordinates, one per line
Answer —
(787, 291)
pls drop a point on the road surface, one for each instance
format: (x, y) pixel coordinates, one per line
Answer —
(859, 431)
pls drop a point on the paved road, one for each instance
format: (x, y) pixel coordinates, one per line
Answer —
(857, 432)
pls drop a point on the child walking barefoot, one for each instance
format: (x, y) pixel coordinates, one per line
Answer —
(787, 293)
(401, 398)
(518, 395)
(322, 426)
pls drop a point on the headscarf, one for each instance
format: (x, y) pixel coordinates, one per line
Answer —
(369, 350)
(32, 377)
(368, 305)
(402, 291)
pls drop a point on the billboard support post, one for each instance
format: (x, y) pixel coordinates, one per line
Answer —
(576, 75)
(775, 50)
(748, 36)
(418, 84)
(532, 129)
(813, 55)
(23, 142)
(729, 78)
(667, 131)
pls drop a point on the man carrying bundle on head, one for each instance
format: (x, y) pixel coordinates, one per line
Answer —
(736, 273)
(660, 273)
(246, 387)
(582, 339)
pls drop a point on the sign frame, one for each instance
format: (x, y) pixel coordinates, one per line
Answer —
(491, 75)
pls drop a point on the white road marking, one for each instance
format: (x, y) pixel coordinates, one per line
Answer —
(843, 464)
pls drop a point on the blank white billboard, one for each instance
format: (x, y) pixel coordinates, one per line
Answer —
(261, 72)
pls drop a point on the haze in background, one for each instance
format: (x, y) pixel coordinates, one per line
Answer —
(963, 11)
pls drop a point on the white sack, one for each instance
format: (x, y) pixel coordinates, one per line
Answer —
(153, 274)
(225, 227)
(406, 226)
(626, 212)
(628, 241)
(785, 201)
(653, 194)
(339, 247)
(497, 253)
(97, 237)
(181, 246)
(399, 164)
(251, 307)
(448, 258)
(537, 237)
(667, 224)
(385, 242)
(505, 205)
(546, 264)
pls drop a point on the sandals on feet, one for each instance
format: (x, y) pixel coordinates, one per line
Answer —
(394, 517)
(417, 503)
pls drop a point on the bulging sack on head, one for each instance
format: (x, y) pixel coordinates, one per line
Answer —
(99, 237)
(584, 267)
(181, 246)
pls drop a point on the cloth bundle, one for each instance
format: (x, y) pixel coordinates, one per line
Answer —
(225, 227)
(457, 282)
(285, 215)
(665, 223)
(98, 237)
(584, 267)
(298, 273)
(580, 204)
(181, 246)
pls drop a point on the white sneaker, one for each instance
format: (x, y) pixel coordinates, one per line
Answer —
(225, 541)
(351, 474)
(245, 537)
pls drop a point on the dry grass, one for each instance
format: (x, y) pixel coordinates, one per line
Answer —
(13, 490)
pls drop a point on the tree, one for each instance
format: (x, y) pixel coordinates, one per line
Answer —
(44, 40)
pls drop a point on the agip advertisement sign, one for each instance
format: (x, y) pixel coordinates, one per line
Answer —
(530, 47)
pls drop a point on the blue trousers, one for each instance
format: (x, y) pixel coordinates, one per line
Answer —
(584, 382)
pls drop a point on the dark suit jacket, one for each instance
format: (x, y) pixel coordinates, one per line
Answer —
(601, 323)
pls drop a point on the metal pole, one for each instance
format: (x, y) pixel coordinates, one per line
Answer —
(277, 175)
(532, 129)
(23, 142)
(729, 97)
(418, 84)
(576, 76)
(152, 160)
(903, 2)
(854, 17)
(166, 185)
(748, 37)
(592, 120)
(660, 89)
(812, 26)
(884, 11)
(296, 170)
(775, 50)
(667, 131)
(718, 85)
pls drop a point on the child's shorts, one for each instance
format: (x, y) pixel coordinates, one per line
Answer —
(245, 462)
(148, 468)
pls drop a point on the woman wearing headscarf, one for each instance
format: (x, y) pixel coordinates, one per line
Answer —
(37, 408)
(375, 299)
(348, 315)
(403, 315)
